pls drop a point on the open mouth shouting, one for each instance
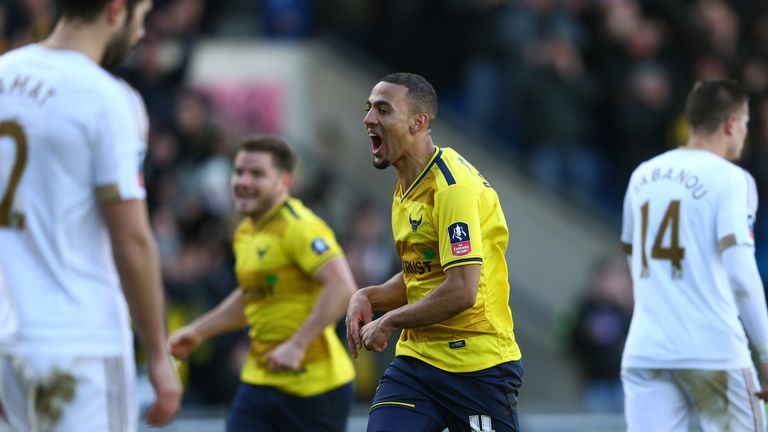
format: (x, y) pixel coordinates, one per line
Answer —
(377, 145)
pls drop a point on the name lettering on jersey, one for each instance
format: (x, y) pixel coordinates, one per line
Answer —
(416, 267)
(319, 246)
(458, 233)
(688, 180)
(35, 90)
(415, 223)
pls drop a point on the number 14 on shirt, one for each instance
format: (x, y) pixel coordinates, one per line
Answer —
(674, 253)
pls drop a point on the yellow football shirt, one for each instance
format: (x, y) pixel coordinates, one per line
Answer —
(275, 262)
(450, 216)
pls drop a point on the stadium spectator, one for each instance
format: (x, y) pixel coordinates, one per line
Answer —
(598, 332)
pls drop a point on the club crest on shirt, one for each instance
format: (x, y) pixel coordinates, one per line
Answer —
(261, 252)
(415, 223)
(319, 246)
(458, 233)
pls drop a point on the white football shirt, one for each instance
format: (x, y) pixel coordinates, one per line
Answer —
(681, 209)
(71, 136)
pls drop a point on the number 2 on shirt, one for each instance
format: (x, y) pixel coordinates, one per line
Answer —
(7, 217)
(673, 253)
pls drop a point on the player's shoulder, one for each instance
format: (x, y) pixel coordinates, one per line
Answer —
(244, 228)
(452, 169)
(298, 216)
(18, 55)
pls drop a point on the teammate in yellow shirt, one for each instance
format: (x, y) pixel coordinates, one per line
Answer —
(294, 283)
(457, 364)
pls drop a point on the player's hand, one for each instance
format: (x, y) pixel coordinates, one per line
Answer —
(763, 393)
(376, 334)
(183, 341)
(286, 357)
(168, 391)
(359, 313)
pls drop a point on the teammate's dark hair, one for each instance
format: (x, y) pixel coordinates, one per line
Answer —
(711, 102)
(88, 10)
(421, 95)
(282, 156)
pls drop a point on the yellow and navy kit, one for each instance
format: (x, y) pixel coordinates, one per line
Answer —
(450, 216)
(275, 261)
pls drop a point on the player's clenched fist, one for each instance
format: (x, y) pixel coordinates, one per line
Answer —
(183, 341)
(168, 391)
(375, 334)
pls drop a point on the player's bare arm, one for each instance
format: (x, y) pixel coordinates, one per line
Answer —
(136, 259)
(744, 277)
(226, 317)
(385, 297)
(338, 287)
(456, 294)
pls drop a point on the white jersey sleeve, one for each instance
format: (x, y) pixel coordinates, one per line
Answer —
(120, 146)
(736, 212)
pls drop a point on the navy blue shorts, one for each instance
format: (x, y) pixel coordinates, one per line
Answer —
(267, 409)
(415, 396)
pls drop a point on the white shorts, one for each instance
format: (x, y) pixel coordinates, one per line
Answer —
(663, 400)
(88, 394)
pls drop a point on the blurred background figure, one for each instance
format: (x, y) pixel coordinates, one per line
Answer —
(596, 335)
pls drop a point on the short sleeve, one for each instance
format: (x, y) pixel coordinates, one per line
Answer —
(120, 146)
(311, 243)
(736, 210)
(458, 226)
(627, 222)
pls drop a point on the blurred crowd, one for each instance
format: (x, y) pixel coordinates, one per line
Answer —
(581, 90)
(584, 90)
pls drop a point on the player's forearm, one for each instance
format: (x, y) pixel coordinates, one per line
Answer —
(456, 294)
(740, 265)
(330, 306)
(136, 259)
(443, 303)
(388, 296)
(226, 317)
(338, 287)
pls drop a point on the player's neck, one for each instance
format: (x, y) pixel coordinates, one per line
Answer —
(413, 162)
(77, 36)
(713, 143)
(258, 217)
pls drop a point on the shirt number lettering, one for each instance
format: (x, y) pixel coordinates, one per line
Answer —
(481, 423)
(10, 218)
(674, 253)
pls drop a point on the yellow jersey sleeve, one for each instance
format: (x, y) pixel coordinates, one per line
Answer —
(458, 226)
(311, 243)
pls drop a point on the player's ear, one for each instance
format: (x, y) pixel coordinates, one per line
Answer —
(729, 123)
(115, 11)
(287, 180)
(419, 122)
